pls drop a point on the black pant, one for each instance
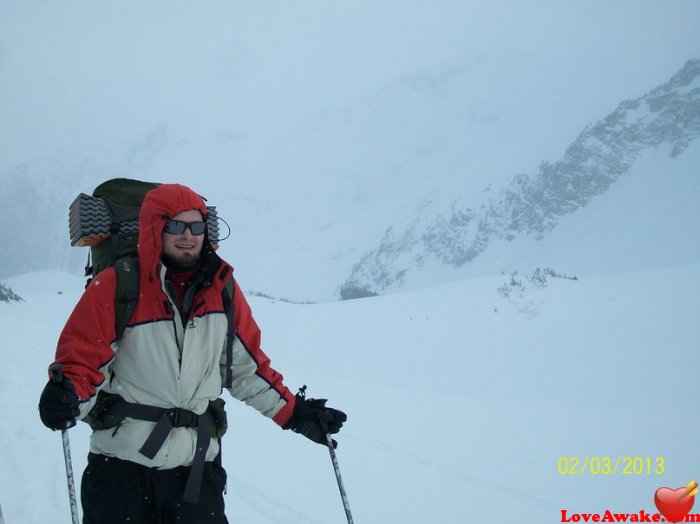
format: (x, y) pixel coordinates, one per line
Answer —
(119, 491)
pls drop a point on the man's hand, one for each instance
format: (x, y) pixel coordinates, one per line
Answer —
(58, 405)
(314, 420)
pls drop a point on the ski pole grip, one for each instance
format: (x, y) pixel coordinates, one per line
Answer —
(56, 373)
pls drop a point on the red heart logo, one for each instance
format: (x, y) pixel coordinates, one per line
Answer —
(674, 504)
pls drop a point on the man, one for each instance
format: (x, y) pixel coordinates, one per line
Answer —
(152, 396)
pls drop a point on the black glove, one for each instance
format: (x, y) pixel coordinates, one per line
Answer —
(58, 405)
(314, 420)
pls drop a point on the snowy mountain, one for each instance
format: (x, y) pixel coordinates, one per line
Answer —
(315, 127)
(532, 205)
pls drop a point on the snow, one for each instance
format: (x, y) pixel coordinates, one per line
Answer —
(313, 127)
(460, 401)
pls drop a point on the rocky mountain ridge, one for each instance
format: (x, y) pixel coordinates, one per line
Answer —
(532, 205)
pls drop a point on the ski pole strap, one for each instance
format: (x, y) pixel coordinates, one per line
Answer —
(166, 419)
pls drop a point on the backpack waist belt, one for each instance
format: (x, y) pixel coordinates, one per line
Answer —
(166, 419)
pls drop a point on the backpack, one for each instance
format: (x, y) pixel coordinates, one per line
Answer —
(112, 213)
(108, 222)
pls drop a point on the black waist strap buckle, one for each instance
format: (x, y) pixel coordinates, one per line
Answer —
(182, 418)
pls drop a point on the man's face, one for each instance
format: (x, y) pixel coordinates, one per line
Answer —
(181, 251)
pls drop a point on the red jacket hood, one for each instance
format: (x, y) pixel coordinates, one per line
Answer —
(160, 205)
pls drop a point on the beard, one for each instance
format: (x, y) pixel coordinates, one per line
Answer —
(183, 262)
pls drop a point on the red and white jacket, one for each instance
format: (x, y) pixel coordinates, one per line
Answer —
(159, 361)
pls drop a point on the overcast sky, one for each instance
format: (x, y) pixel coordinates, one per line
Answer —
(80, 74)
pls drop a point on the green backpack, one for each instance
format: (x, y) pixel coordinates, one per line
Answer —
(108, 222)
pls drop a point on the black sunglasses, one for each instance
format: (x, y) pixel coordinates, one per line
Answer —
(177, 227)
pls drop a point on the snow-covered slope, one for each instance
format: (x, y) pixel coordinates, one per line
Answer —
(626, 143)
(460, 400)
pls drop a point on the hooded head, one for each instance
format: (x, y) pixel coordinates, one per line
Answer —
(160, 205)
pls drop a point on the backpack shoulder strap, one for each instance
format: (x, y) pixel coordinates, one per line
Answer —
(227, 298)
(127, 292)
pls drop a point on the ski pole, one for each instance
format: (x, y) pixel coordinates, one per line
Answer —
(69, 477)
(336, 467)
(57, 376)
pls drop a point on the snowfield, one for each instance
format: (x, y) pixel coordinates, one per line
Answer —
(461, 401)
